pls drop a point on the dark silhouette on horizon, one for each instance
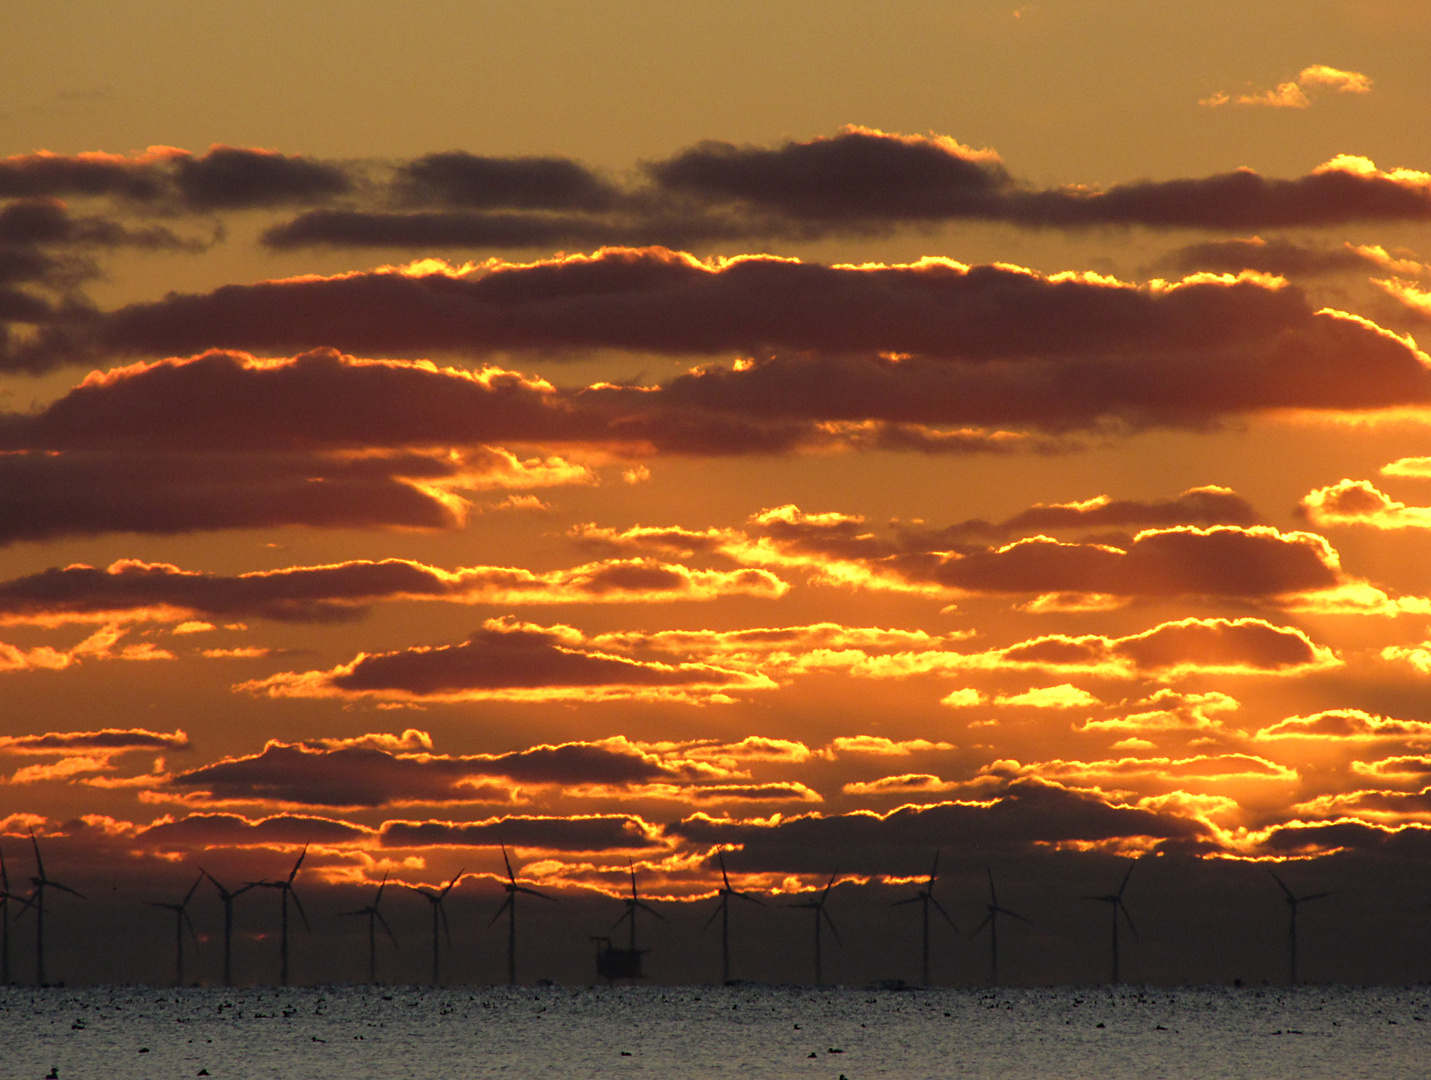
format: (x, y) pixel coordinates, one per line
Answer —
(1292, 902)
(5, 897)
(228, 901)
(285, 888)
(924, 897)
(439, 914)
(1116, 905)
(510, 907)
(613, 963)
(36, 900)
(821, 915)
(723, 910)
(374, 917)
(181, 922)
(991, 920)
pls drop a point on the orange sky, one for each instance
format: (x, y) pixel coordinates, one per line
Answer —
(822, 440)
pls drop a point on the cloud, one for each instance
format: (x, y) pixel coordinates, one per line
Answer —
(1167, 711)
(596, 833)
(510, 661)
(1029, 814)
(1357, 502)
(200, 831)
(881, 746)
(1284, 258)
(903, 785)
(1063, 696)
(1293, 93)
(105, 741)
(934, 343)
(1345, 725)
(132, 590)
(368, 776)
(1209, 505)
(1198, 768)
(103, 644)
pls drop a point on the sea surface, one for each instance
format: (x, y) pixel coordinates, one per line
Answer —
(1068, 1033)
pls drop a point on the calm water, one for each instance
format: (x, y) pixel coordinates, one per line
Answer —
(1068, 1033)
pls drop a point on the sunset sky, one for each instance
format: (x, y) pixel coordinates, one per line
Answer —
(823, 433)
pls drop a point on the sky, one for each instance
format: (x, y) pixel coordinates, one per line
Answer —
(821, 438)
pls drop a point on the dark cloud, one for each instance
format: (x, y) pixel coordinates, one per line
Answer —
(37, 222)
(594, 833)
(236, 178)
(364, 776)
(1197, 506)
(932, 343)
(470, 181)
(1029, 814)
(80, 742)
(85, 493)
(45, 174)
(231, 830)
(1276, 256)
(449, 228)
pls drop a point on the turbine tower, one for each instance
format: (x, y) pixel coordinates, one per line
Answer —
(1292, 902)
(991, 920)
(510, 907)
(181, 920)
(374, 917)
(5, 897)
(285, 887)
(228, 901)
(1116, 905)
(821, 915)
(36, 900)
(633, 902)
(723, 910)
(924, 897)
(438, 913)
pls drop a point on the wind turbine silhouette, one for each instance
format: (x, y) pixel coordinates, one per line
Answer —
(818, 907)
(181, 920)
(1292, 902)
(991, 920)
(633, 902)
(36, 900)
(1115, 904)
(510, 907)
(5, 897)
(438, 912)
(374, 917)
(925, 897)
(723, 910)
(228, 901)
(285, 887)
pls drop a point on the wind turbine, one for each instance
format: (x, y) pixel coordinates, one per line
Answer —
(1292, 902)
(818, 907)
(36, 900)
(228, 901)
(5, 897)
(285, 887)
(1116, 905)
(374, 917)
(633, 902)
(924, 897)
(991, 920)
(181, 920)
(510, 907)
(723, 910)
(438, 912)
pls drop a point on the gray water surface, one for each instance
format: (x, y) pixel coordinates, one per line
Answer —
(357, 1033)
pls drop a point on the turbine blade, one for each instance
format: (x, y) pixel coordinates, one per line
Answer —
(993, 896)
(720, 855)
(1283, 884)
(381, 886)
(4, 874)
(510, 876)
(451, 883)
(533, 892)
(190, 924)
(830, 885)
(39, 862)
(1124, 909)
(223, 893)
(379, 916)
(1015, 914)
(940, 908)
(299, 905)
(1126, 877)
(190, 894)
(505, 905)
(975, 932)
(66, 888)
(718, 909)
(747, 896)
(648, 908)
(628, 915)
(934, 870)
(910, 900)
(833, 928)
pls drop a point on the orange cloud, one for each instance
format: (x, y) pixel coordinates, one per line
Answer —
(1293, 94)
(1357, 502)
(1340, 725)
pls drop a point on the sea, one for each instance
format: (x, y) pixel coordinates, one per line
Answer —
(684, 1033)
